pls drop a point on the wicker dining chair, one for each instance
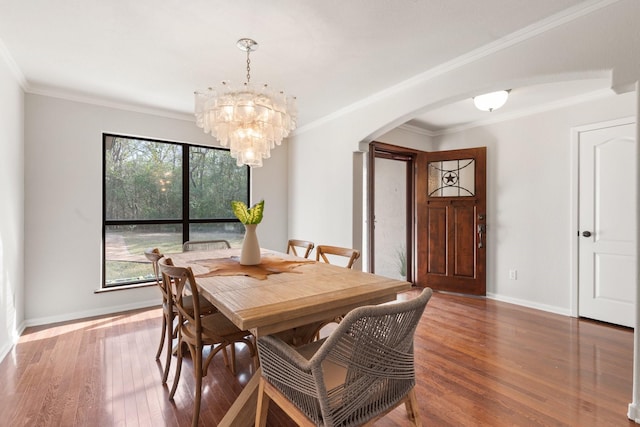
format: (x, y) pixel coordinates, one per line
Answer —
(169, 312)
(205, 245)
(303, 244)
(323, 250)
(363, 370)
(196, 330)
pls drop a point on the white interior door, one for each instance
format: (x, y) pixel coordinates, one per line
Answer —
(607, 210)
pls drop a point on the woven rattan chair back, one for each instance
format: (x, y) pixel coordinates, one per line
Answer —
(364, 369)
(205, 245)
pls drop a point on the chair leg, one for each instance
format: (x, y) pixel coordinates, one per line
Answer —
(164, 331)
(176, 378)
(197, 372)
(168, 331)
(411, 405)
(263, 405)
(233, 357)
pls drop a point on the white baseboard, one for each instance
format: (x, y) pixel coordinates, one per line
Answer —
(90, 313)
(634, 413)
(525, 303)
(7, 348)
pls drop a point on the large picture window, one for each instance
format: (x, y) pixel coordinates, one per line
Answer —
(161, 194)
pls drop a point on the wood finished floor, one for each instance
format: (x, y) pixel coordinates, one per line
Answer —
(479, 363)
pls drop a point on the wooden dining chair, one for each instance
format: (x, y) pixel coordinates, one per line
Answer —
(197, 330)
(169, 312)
(323, 250)
(205, 245)
(362, 371)
(303, 244)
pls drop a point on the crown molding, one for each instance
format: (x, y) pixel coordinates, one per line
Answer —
(13, 66)
(509, 40)
(417, 130)
(103, 102)
(528, 111)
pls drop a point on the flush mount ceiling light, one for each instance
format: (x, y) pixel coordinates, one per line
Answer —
(250, 120)
(491, 101)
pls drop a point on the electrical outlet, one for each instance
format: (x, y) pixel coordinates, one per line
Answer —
(513, 274)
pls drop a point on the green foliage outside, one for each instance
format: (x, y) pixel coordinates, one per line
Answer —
(144, 181)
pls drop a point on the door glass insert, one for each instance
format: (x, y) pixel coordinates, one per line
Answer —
(452, 178)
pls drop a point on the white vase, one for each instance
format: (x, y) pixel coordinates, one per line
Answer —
(250, 253)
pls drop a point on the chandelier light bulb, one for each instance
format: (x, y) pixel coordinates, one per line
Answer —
(491, 101)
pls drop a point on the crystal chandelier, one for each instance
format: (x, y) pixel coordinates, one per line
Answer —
(249, 120)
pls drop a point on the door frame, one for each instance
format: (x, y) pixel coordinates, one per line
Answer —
(392, 152)
(574, 192)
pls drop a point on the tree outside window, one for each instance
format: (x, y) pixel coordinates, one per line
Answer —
(161, 194)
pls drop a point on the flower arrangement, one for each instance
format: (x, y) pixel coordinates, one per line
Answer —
(248, 215)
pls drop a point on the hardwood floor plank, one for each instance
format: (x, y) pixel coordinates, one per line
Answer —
(479, 362)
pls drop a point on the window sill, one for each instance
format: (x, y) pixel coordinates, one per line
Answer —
(124, 287)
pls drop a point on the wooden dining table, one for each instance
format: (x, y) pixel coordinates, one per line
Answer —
(283, 294)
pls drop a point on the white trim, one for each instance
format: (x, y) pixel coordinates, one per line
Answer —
(525, 303)
(574, 191)
(103, 102)
(574, 196)
(5, 350)
(14, 340)
(416, 130)
(13, 66)
(634, 413)
(90, 313)
(512, 39)
(602, 93)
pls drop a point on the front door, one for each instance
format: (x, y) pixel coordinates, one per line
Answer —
(607, 212)
(451, 210)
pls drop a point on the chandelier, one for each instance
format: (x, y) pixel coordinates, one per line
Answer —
(249, 120)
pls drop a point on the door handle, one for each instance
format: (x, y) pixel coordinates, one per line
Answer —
(586, 233)
(482, 229)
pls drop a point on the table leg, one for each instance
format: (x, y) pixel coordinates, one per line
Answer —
(243, 411)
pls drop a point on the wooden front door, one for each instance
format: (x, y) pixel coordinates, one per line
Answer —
(451, 219)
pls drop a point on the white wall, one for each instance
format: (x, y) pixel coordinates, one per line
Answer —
(599, 44)
(63, 203)
(529, 198)
(11, 207)
(602, 43)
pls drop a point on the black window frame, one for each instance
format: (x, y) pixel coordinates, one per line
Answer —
(185, 221)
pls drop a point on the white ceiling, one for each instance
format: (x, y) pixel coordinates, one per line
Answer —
(153, 54)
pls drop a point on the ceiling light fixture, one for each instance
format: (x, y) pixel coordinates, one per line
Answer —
(491, 101)
(250, 120)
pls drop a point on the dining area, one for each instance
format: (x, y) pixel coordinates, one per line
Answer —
(477, 361)
(277, 311)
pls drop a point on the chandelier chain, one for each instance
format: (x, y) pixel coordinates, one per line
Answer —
(248, 67)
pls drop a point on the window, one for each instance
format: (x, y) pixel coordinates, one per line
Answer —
(452, 178)
(161, 194)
